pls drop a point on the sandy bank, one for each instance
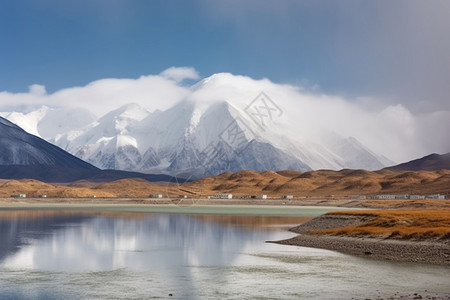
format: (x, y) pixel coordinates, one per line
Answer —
(429, 250)
(345, 203)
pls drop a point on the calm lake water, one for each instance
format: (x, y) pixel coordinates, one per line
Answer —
(188, 253)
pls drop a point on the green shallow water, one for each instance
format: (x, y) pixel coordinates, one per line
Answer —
(249, 210)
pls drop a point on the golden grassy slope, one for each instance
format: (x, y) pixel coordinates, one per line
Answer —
(321, 183)
(410, 223)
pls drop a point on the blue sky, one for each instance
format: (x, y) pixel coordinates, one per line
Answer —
(396, 52)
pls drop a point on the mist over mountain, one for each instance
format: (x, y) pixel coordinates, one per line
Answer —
(214, 129)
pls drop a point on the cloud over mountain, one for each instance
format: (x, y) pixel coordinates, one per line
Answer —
(393, 130)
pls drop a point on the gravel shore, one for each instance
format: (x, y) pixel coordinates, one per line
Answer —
(432, 251)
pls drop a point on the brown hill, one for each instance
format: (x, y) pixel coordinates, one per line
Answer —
(321, 183)
(324, 183)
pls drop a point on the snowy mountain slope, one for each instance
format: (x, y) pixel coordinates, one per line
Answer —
(47, 122)
(21, 148)
(214, 130)
(205, 138)
(23, 155)
(107, 142)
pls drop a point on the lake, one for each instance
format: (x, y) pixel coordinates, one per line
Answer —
(188, 253)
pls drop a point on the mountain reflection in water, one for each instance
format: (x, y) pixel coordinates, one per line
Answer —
(76, 241)
(100, 254)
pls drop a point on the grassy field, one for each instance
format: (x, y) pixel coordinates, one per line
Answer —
(407, 223)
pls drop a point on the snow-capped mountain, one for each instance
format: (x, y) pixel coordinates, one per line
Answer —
(19, 148)
(23, 155)
(47, 122)
(209, 132)
(107, 142)
(200, 138)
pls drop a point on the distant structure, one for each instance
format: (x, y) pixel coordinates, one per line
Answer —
(359, 197)
(19, 196)
(403, 197)
(288, 197)
(221, 196)
(43, 196)
(261, 197)
(416, 197)
(385, 197)
(156, 196)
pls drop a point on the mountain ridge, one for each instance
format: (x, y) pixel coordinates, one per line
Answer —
(429, 162)
(219, 118)
(23, 155)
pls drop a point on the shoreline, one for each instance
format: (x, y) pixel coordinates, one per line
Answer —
(319, 202)
(429, 250)
(377, 248)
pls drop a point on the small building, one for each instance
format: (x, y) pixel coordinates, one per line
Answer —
(385, 197)
(288, 197)
(43, 196)
(416, 197)
(19, 196)
(221, 196)
(359, 197)
(402, 197)
(436, 197)
(156, 196)
(261, 197)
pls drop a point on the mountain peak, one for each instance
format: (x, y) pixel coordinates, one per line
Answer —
(130, 111)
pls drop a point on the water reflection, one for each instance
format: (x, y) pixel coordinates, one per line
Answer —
(86, 242)
(102, 255)
(19, 228)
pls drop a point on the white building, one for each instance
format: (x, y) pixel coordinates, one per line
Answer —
(19, 196)
(288, 197)
(385, 197)
(361, 197)
(156, 196)
(261, 197)
(416, 197)
(221, 196)
(436, 196)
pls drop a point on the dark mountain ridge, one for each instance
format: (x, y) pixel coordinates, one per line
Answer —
(23, 155)
(432, 162)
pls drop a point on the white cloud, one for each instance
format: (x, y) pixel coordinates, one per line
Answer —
(37, 90)
(101, 96)
(393, 131)
(180, 73)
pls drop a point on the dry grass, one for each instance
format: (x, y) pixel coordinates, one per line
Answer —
(321, 183)
(411, 223)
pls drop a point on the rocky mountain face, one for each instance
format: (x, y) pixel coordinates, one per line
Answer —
(195, 140)
(202, 135)
(23, 155)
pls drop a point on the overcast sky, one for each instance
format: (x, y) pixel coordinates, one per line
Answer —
(394, 51)
(378, 55)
